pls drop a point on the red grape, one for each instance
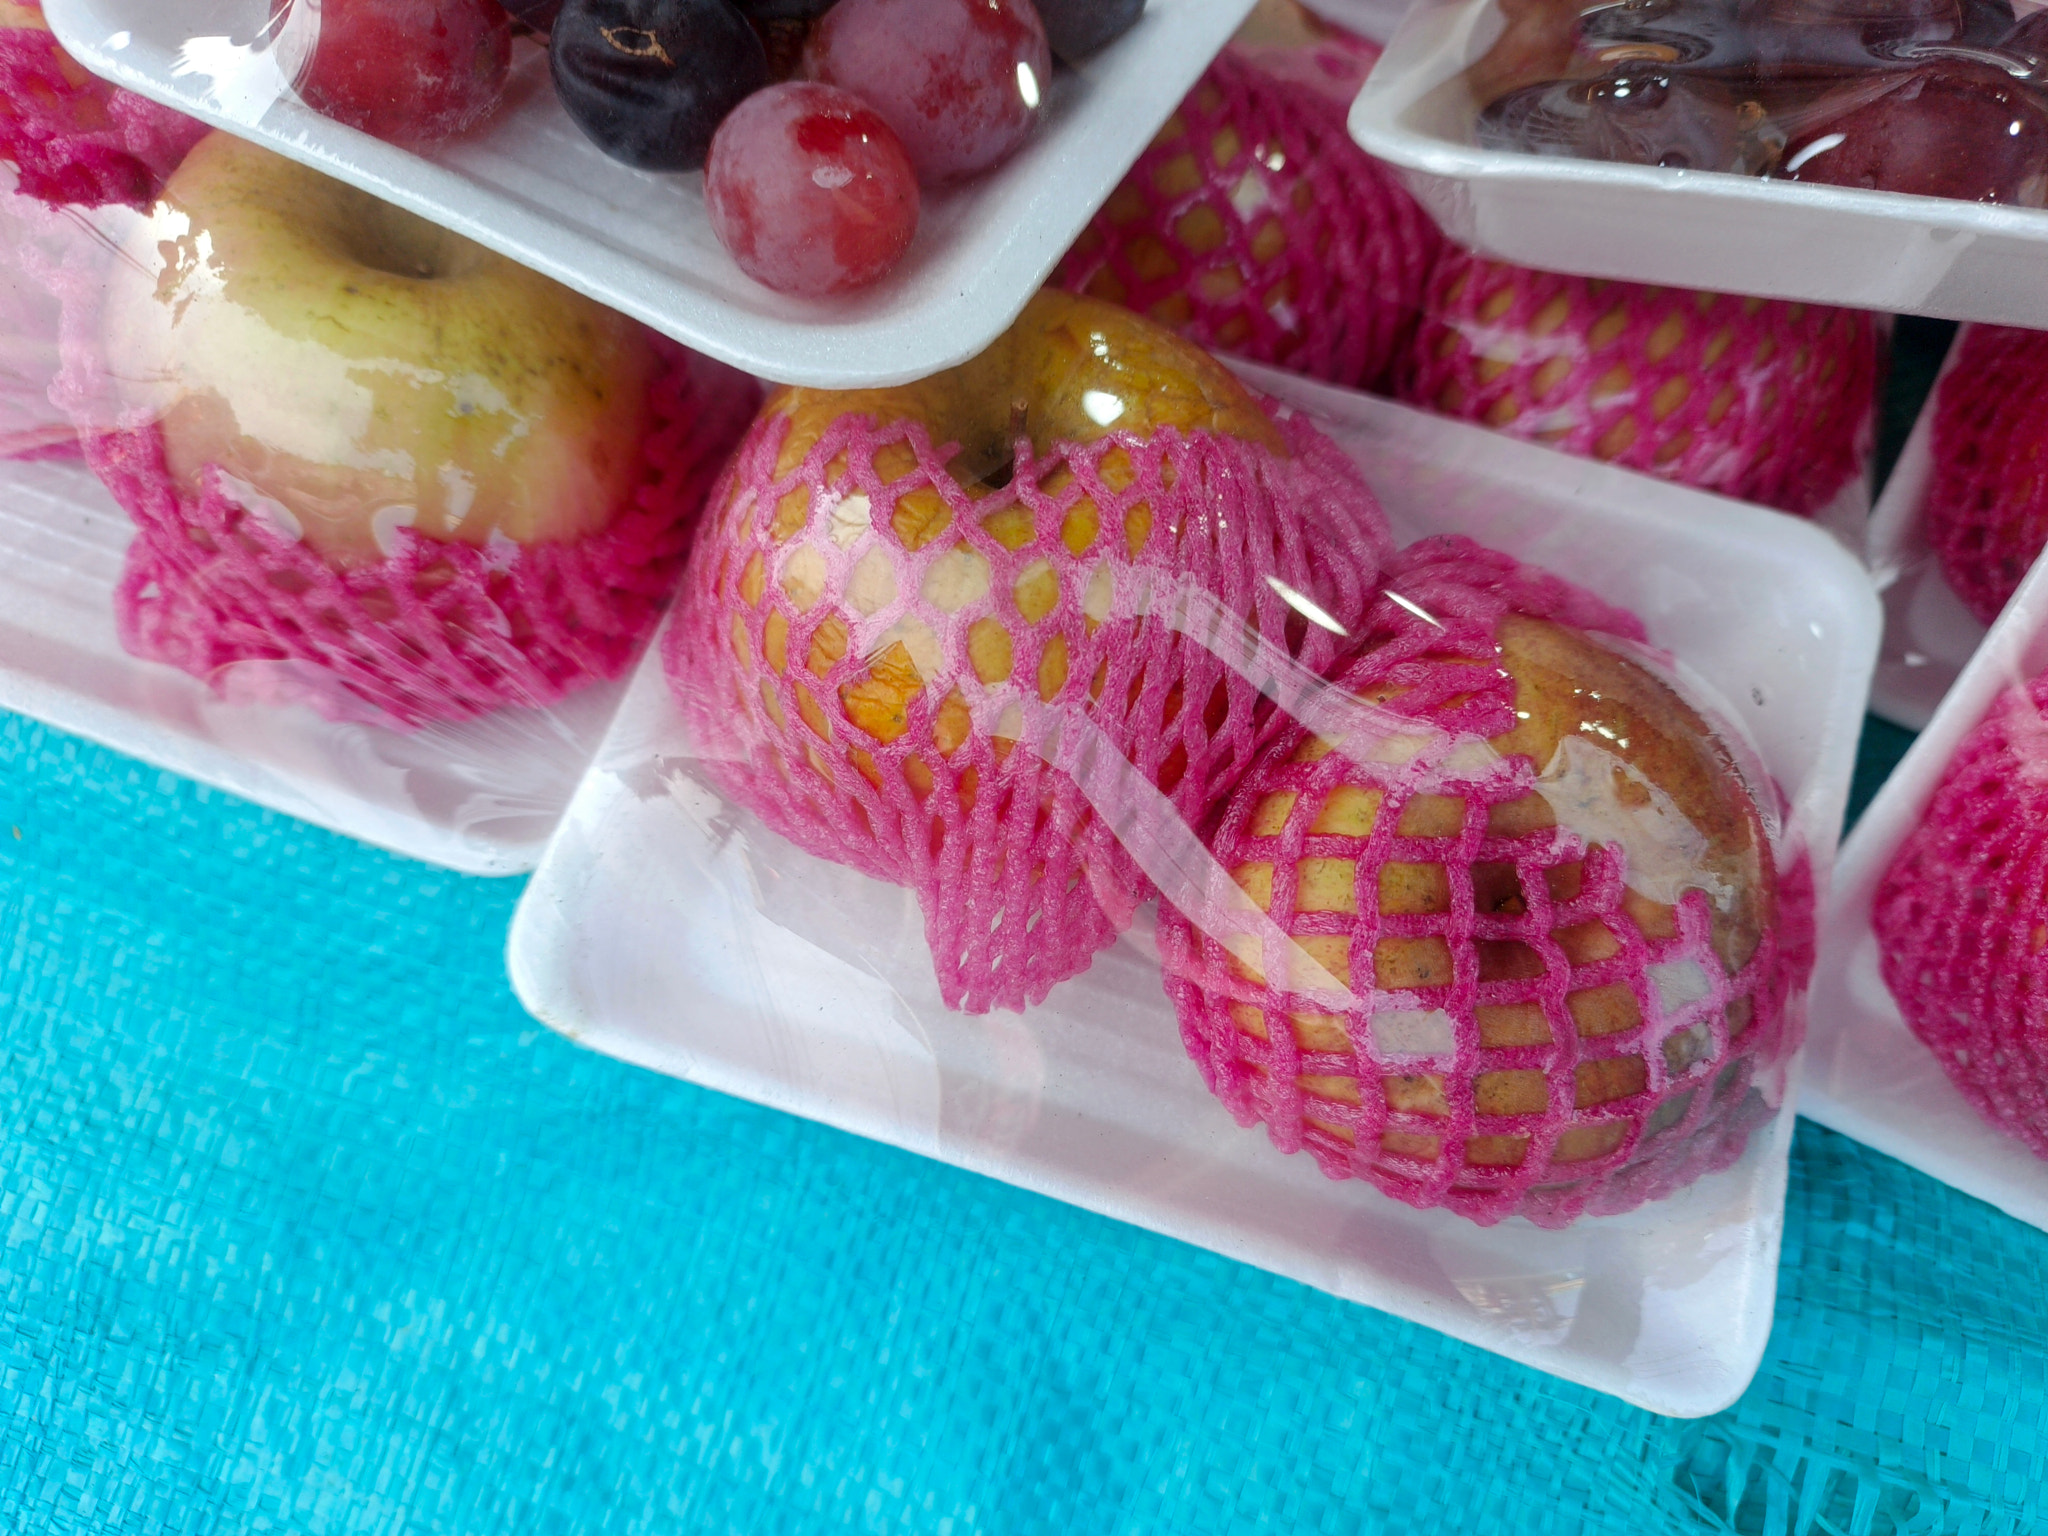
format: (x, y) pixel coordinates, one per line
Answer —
(810, 190)
(959, 80)
(1953, 129)
(413, 72)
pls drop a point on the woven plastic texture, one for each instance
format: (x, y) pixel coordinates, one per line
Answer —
(309, 1229)
(76, 139)
(1519, 1032)
(436, 630)
(901, 675)
(1961, 923)
(1986, 512)
(1768, 402)
(1254, 225)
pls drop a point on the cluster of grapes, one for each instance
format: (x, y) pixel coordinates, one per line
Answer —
(1942, 98)
(815, 121)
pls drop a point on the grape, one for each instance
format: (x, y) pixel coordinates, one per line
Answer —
(650, 80)
(1078, 28)
(785, 10)
(810, 190)
(1952, 129)
(413, 72)
(537, 14)
(959, 80)
(1636, 114)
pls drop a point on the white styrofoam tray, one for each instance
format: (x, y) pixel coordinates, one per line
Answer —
(1866, 1075)
(530, 185)
(481, 797)
(1929, 636)
(1693, 229)
(668, 929)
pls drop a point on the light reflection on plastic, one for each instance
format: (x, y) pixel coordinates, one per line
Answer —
(1301, 603)
(1102, 407)
(1415, 608)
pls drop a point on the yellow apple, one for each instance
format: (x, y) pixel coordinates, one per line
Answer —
(358, 369)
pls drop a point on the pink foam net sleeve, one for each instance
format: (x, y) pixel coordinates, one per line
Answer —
(1986, 512)
(1961, 924)
(436, 630)
(77, 139)
(1388, 1077)
(1764, 401)
(916, 708)
(1255, 226)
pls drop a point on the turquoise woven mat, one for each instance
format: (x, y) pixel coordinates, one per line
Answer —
(308, 1228)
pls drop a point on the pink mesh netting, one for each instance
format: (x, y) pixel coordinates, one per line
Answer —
(1516, 1037)
(1962, 929)
(76, 139)
(1254, 225)
(1986, 512)
(436, 630)
(917, 707)
(1752, 398)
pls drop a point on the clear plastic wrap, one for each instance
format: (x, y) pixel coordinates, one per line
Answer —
(376, 478)
(1661, 100)
(1935, 98)
(966, 679)
(1963, 517)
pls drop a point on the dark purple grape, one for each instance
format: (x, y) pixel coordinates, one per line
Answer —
(537, 14)
(651, 80)
(2028, 41)
(1078, 29)
(1639, 114)
(785, 10)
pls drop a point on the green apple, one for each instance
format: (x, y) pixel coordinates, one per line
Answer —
(358, 369)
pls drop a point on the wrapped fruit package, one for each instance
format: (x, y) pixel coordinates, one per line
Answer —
(1457, 891)
(1985, 512)
(1934, 100)
(1527, 941)
(1961, 926)
(911, 612)
(372, 467)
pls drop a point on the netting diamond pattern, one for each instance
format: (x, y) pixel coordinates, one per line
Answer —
(1961, 926)
(1485, 1062)
(886, 666)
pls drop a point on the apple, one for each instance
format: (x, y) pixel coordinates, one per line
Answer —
(917, 633)
(1527, 916)
(359, 370)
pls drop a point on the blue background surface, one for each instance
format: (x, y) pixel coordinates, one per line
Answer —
(308, 1228)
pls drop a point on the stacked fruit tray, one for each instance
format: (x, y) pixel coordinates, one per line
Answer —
(1023, 598)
